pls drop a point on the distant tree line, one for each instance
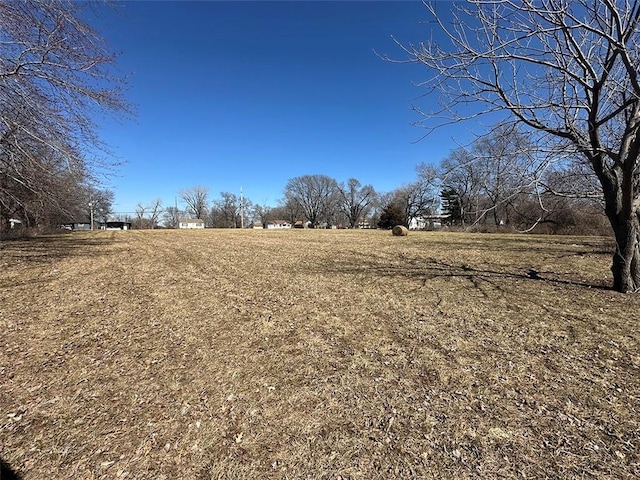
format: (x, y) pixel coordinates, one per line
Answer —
(502, 180)
(495, 184)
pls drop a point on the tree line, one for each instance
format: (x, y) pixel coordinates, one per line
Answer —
(498, 182)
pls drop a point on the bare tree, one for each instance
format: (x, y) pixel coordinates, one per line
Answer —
(316, 196)
(565, 69)
(262, 213)
(573, 179)
(147, 216)
(355, 200)
(412, 202)
(171, 217)
(417, 200)
(225, 211)
(288, 209)
(141, 222)
(496, 172)
(196, 199)
(55, 72)
(101, 201)
(75, 202)
(155, 210)
(509, 170)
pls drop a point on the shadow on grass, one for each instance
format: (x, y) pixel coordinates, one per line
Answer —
(51, 247)
(46, 250)
(427, 269)
(560, 246)
(7, 473)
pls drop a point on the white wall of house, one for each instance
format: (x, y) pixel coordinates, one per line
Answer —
(433, 221)
(417, 223)
(191, 223)
(278, 224)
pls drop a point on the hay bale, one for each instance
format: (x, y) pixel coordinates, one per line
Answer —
(400, 231)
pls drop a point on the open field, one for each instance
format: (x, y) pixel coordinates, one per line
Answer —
(317, 355)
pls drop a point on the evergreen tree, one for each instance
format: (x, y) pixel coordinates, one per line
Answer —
(391, 216)
(451, 205)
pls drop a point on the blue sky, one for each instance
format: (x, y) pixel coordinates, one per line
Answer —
(247, 95)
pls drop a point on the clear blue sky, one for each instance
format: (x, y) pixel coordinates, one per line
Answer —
(251, 94)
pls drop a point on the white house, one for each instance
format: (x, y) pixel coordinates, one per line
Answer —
(363, 223)
(190, 223)
(427, 222)
(417, 223)
(277, 224)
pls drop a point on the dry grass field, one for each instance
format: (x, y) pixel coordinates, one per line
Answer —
(316, 355)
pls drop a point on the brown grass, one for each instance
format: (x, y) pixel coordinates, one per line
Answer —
(316, 355)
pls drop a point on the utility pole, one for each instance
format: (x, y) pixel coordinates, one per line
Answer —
(176, 213)
(241, 209)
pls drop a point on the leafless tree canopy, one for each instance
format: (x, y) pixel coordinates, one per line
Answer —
(147, 216)
(55, 75)
(567, 70)
(101, 202)
(288, 209)
(262, 213)
(490, 176)
(196, 199)
(500, 181)
(227, 210)
(171, 217)
(355, 200)
(316, 196)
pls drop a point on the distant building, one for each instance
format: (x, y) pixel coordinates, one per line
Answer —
(417, 223)
(190, 223)
(428, 222)
(301, 224)
(278, 224)
(363, 223)
(115, 225)
(76, 226)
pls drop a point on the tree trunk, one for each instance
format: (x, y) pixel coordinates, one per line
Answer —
(626, 259)
(622, 206)
(4, 227)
